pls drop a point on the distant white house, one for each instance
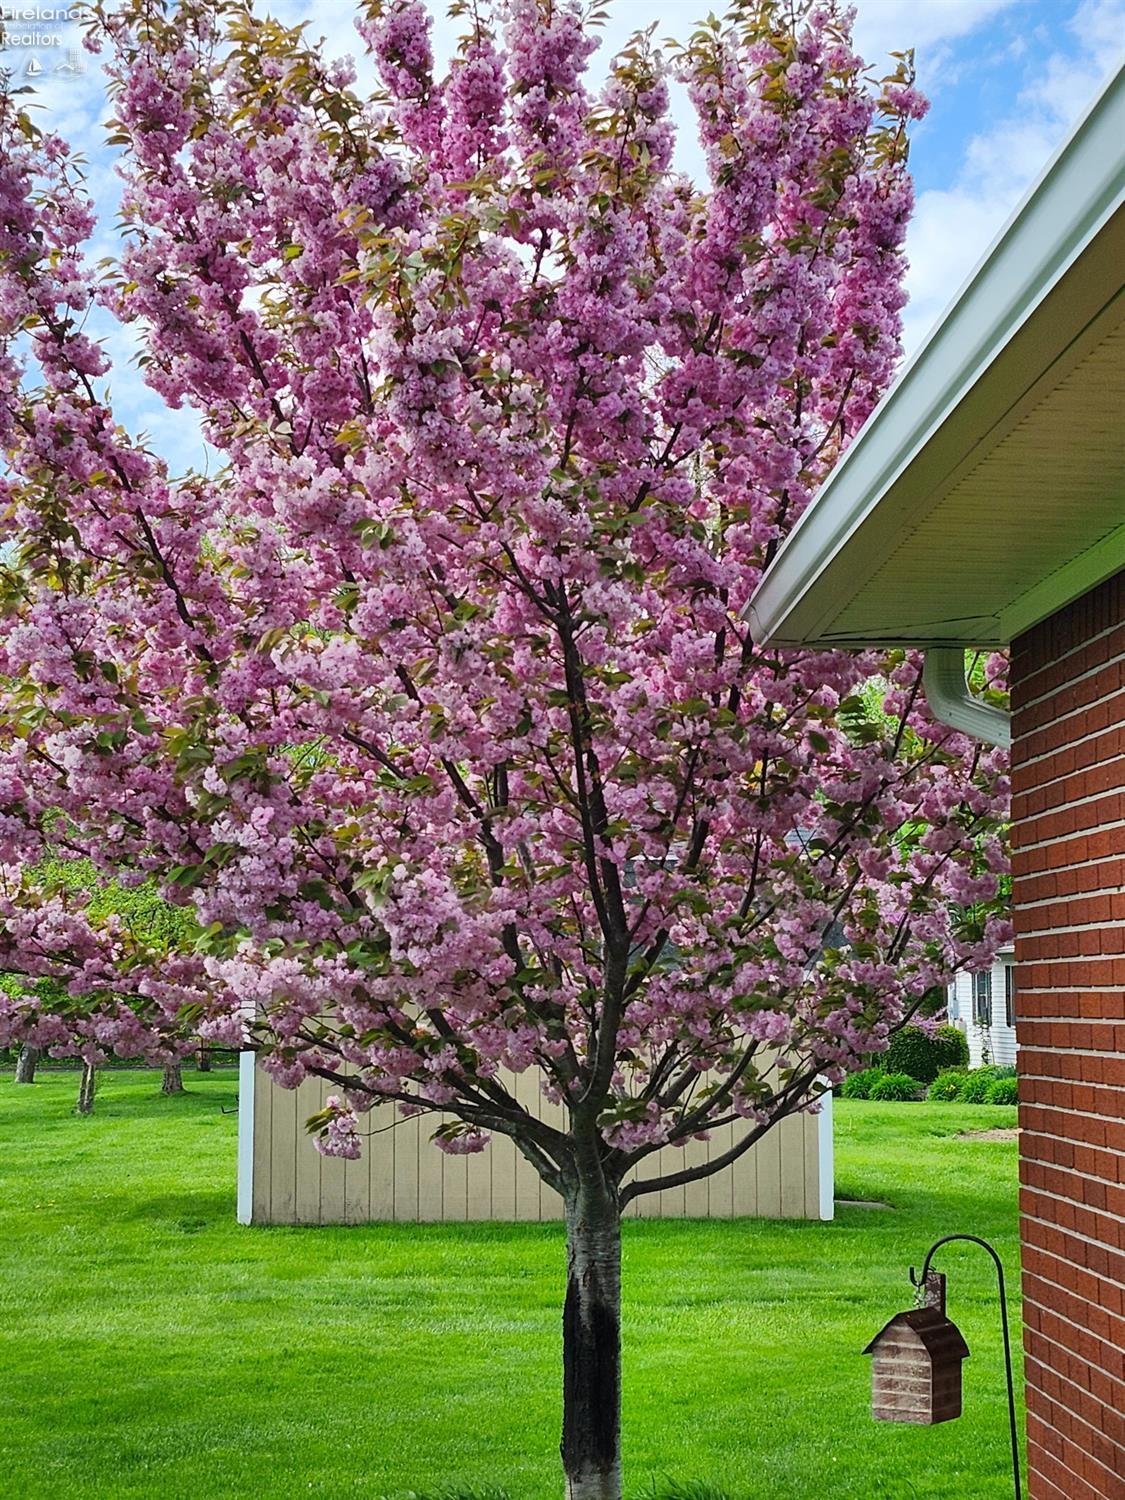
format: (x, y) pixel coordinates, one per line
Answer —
(983, 1005)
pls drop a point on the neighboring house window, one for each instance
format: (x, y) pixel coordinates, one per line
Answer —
(1010, 994)
(982, 997)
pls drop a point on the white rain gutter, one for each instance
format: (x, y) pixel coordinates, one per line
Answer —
(952, 701)
(824, 559)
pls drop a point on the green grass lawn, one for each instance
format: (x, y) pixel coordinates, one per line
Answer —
(150, 1346)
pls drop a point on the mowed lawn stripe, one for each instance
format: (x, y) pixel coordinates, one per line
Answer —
(149, 1345)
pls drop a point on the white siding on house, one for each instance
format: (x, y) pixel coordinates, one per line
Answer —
(998, 1040)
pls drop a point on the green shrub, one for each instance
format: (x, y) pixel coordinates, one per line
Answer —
(924, 1054)
(946, 1087)
(952, 1046)
(975, 1085)
(911, 1051)
(859, 1085)
(895, 1086)
(1002, 1091)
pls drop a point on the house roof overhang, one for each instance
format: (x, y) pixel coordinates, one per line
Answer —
(987, 490)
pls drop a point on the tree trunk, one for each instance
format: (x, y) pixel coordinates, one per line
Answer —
(85, 1105)
(173, 1080)
(204, 1059)
(591, 1438)
(25, 1064)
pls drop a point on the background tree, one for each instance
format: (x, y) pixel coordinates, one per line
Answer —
(435, 706)
(26, 1063)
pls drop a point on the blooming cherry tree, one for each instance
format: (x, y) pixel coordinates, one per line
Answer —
(433, 706)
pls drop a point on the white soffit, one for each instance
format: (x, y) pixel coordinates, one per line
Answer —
(988, 488)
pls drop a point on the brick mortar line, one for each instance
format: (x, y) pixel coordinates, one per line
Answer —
(1063, 928)
(1092, 988)
(1095, 765)
(1070, 1323)
(1073, 1412)
(1107, 668)
(1075, 833)
(1083, 864)
(1065, 1140)
(1069, 744)
(1081, 1114)
(1083, 986)
(1092, 895)
(1106, 791)
(1070, 1052)
(1075, 1203)
(1083, 645)
(1078, 711)
(1076, 1234)
(1046, 1337)
(1078, 1417)
(1082, 1478)
(1073, 1021)
(1072, 682)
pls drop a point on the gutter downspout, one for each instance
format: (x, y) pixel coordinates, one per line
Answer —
(952, 701)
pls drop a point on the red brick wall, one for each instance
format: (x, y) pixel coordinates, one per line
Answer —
(1068, 701)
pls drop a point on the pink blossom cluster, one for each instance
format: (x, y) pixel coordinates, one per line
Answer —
(434, 705)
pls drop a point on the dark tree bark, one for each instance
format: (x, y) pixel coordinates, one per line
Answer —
(204, 1059)
(85, 1105)
(173, 1080)
(591, 1437)
(26, 1064)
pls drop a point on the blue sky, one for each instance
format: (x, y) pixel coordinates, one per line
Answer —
(1006, 79)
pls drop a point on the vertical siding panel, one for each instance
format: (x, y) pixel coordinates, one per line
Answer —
(406, 1192)
(333, 1200)
(551, 1206)
(768, 1151)
(382, 1151)
(283, 1158)
(504, 1169)
(527, 1178)
(791, 1162)
(696, 1197)
(647, 1206)
(332, 1194)
(357, 1176)
(454, 1186)
(744, 1186)
(720, 1187)
(431, 1171)
(478, 1183)
(307, 1099)
(264, 1145)
(671, 1199)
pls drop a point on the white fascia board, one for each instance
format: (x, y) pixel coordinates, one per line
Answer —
(1080, 190)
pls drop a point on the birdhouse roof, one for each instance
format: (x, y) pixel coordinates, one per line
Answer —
(940, 1338)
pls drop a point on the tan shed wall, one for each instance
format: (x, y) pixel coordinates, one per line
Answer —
(403, 1177)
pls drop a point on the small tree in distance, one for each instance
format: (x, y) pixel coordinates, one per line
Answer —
(434, 707)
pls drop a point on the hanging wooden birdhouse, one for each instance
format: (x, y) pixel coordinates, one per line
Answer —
(916, 1363)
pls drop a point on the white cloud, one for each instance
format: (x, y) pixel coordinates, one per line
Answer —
(884, 26)
(954, 226)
